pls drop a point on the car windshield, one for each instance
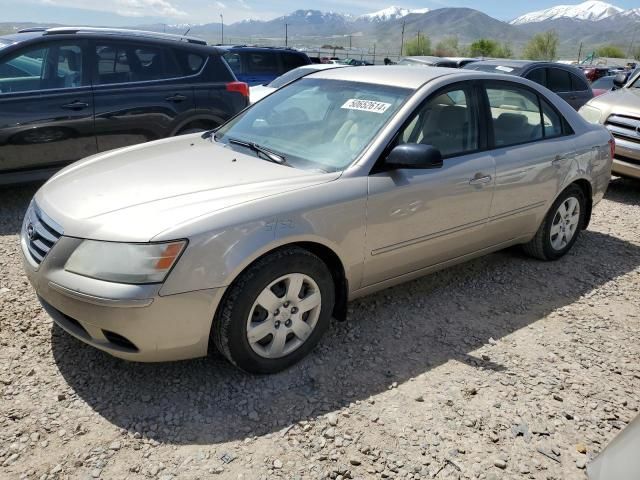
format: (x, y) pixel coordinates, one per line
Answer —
(290, 76)
(493, 68)
(604, 83)
(316, 123)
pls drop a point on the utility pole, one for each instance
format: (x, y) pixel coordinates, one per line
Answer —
(286, 34)
(222, 29)
(402, 39)
(350, 42)
(374, 53)
(579, 52)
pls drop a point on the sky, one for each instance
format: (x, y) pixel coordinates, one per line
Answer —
(137, 12)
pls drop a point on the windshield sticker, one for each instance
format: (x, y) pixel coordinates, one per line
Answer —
(504, 69)
(366, 105)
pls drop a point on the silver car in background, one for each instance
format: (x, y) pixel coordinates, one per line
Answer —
(252, 237)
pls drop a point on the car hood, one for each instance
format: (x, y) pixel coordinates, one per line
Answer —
(134, 194)
(623, 101)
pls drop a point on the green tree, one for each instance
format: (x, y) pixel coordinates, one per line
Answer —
(610, 51)
(484, 47)
(504, 51)
(542, 46)
(447, 47)
(420, 45)
(636, 53)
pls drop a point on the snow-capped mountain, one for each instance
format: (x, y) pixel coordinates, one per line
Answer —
(591, 10)
(390, 13)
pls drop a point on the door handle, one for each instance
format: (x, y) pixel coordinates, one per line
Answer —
(177, 98)
(480, 179)
(75, 105)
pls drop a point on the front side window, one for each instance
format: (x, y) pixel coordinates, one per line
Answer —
(516, 116)
(42, 68)
(314, 123)
(447, 122)
(123, 63)
(538, 75)
(558, 80)
(262, 62)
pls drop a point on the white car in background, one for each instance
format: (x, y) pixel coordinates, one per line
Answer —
(260, 91)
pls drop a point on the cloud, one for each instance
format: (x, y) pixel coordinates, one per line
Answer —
(221, 5)
(244, 4)
(127, 8)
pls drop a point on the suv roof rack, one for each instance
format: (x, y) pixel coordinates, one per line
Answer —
(124, 31)
(270, 47)
(33, 29)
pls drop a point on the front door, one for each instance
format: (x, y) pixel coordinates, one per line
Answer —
(419, 218)
(46, 107)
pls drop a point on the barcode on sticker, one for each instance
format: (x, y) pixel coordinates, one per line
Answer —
(366, 105)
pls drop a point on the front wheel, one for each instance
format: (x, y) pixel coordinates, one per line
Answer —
(275, 313)
(561, 227)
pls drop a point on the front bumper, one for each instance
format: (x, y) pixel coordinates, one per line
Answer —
(625, 168)
(133, 322)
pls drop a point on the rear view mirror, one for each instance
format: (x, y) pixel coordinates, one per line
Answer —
(414, 156)
(620, 80)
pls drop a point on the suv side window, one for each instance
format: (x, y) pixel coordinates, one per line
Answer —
(55, 66)
(262, 63)
(125, 63)
(538, 75)
(291, 61)
(447, 121)
(234, 61)
(578, 84)
(558, 80)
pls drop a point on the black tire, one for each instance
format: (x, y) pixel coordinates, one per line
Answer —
(540, 245)
(229, 329)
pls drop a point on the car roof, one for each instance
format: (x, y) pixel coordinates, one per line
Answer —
(391, 75)
(260, 49)
(507, 62)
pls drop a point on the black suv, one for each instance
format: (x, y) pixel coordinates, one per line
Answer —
(67, 93)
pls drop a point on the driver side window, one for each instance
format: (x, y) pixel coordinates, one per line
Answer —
(447, 122)
(42, 68)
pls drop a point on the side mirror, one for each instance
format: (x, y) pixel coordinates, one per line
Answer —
(620, 80)
(414, 156)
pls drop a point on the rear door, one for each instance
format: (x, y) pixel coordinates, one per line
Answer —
(141, 93)
(533, 151)
(46, 107)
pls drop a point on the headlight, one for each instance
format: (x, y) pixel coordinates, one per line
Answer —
(590, 114)
(124, 262)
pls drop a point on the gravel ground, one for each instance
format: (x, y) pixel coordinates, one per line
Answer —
(504, 367)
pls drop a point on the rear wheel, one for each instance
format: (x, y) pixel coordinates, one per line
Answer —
(275, 312)
(561, 227)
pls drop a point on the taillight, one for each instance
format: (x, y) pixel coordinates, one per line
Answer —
(612, 147)
(239, 87)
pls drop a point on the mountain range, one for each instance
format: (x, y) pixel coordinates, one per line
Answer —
(592, 23)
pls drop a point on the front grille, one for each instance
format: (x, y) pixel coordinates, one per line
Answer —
(624, 127)
(40, 232)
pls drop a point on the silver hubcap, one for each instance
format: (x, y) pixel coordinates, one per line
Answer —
(565, 223)
(284, 315)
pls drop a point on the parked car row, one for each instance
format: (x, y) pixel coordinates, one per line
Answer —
(250, 237)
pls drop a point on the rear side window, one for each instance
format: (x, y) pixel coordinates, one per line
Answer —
(124, 63)
(261, 62)
(520, 116)
(558, 80)
(578, 84)
(234, 61)
(190, 63)
(516, 116)
(291, 61)
(538, 75)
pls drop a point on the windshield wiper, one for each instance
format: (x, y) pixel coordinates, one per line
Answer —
(268, 154)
